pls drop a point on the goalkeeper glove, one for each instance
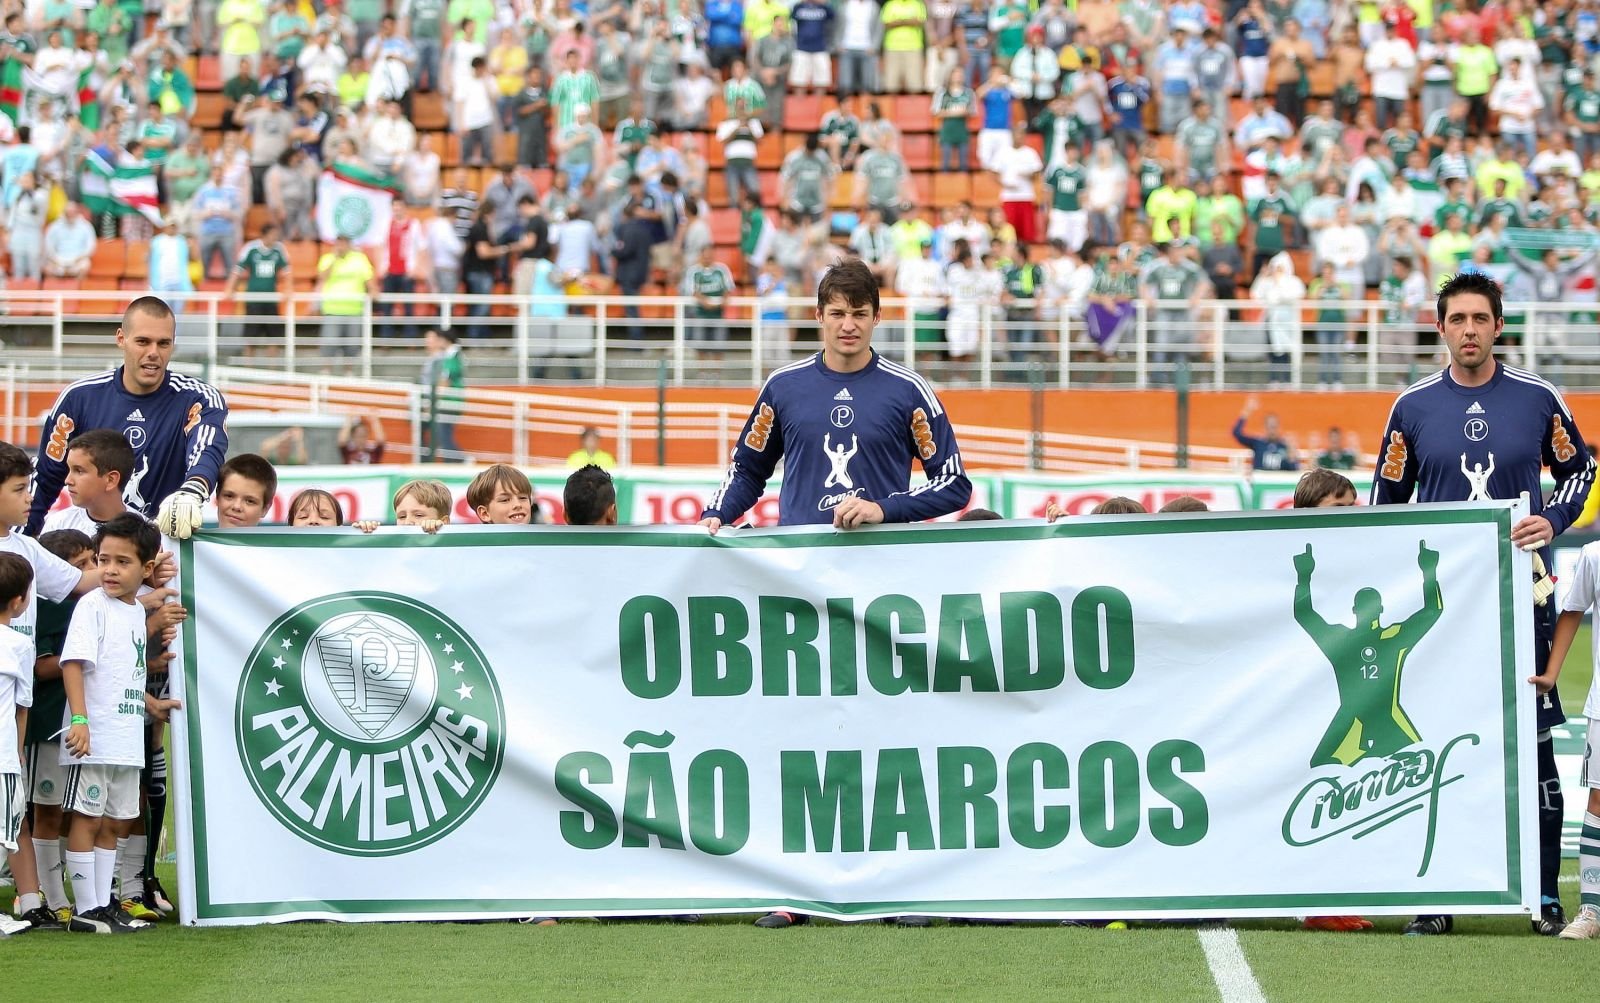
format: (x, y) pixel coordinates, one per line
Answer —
(179, 515)
(1543, 584)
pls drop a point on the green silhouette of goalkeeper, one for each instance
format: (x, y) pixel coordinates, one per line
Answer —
(1367, 660)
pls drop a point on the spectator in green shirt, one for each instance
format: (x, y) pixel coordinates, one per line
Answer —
(1475, 68)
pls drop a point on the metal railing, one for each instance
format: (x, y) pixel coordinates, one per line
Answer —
(537, 427)
(597, 340)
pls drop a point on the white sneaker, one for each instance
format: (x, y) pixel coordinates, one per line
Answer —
(10, 925)
(1585, 927)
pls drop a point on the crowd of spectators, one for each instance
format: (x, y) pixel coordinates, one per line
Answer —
(1288, 149)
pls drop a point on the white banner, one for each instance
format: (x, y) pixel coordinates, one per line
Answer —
(1211, 715)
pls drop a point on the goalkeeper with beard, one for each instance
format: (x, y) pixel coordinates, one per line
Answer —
(174, 423)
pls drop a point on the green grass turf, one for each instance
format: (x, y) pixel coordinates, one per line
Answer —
(724, 958)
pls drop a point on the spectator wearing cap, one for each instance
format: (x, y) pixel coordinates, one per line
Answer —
(1035, 74)
(905, 24)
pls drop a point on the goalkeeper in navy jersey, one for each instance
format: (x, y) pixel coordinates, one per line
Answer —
(174, 423)
(1481, 430)
(848, 425)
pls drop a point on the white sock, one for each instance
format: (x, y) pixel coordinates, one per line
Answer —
(130, 861)
(47, 855)
(1589, 861)
(105, 868)
(80, 871)
(29, 901)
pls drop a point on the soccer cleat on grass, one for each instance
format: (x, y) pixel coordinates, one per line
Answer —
(1585, 927)
(121, 922)
(11, 927)
(1338, 924)
(1552, 920)
(137, 909)
(782, 920)
(92, 921)
(156, 897)
(1429, 926)
(41, 918)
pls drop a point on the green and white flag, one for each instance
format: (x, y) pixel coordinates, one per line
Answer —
(120, 190)
(354, 202)
(1252, 714)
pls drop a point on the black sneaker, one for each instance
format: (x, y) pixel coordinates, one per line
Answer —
(121, 922)
(782, 920)
(1431, 926)
(92, 921)
(1552, 920)
(43, 919)
(156, 897)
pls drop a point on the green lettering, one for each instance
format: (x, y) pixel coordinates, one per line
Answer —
(636, 643)
(900, 778)
(1032, 622)
(719, 663)
(595, 825)
(813, 804)
(704, 831)
(650, 806)
(1114, 666)
(842, 647)
(964, 651)
(967, 779)
(894, 665)
(1122, 796)
(1033, 826)
(789, 629)
(1168, 759)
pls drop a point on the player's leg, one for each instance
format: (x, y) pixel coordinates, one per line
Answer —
(11, 839)
(154, 895)
(1552, 918)
(1586, 925)
(49, 784)
(122, 810)
(84, 804)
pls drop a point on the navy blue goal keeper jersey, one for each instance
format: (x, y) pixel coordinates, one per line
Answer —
(1446, 442)
(176, 432)
(842, 435)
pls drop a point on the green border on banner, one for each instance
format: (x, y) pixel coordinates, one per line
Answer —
(1081, 528)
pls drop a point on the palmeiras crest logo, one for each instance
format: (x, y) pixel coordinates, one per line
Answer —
(369, 723)
(1373, 766)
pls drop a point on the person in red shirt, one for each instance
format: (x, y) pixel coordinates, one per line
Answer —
(406, 247)
(1399, 14)
(361, 441)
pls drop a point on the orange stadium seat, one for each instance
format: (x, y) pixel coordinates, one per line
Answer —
(68, 306)
(769, 152)
(725, 226)
(108, 259)
(913, 113)
(919, 150)
(985, 189)
(303, 255)
(208, 74)
(28, 308)
(802, 113)
(951, 188)
(717, 188)
(427, 112)
(771, 185)
(138, 262)
(208, 109)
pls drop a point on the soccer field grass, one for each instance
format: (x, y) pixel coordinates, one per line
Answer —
(724, 958)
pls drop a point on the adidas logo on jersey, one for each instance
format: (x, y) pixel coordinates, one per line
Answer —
(1476, 408)
(843, 395)
(135, 415)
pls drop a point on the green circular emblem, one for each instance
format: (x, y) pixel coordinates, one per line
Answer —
(369, 723)
(352, 216)
(93, 793)
(46, 786)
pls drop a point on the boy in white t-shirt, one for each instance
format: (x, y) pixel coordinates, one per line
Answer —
(99, 463)
(16, 696)
(103, 670)
(1582, 595)
(53, 579)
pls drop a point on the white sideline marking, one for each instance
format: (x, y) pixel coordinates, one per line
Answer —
(1236, 983)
